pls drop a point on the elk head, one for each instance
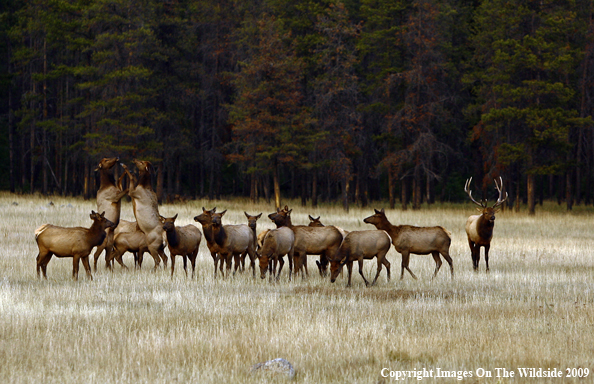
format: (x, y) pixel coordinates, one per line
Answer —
(206, 216)
(107, 163)
(488, 213)
(168, 222)
(99, 219)
(315, 222)
(252, 220)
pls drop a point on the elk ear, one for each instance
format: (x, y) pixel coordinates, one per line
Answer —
(102, 214)
(260, 215)
(376, 211)
(383, 211)
(246, 215)
(222, 213)
(162, 219)
(203, 210)
(479, 209)
(311, 218)
(175, 217)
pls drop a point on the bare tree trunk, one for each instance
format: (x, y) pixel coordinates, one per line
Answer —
(345, 193)
(276, 182)
(568, 192)
(314, 188)
(10, 124)
(160, 180)
(391, 189)
(531, 193)
(404, 194)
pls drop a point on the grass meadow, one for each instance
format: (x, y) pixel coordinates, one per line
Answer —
(535, 309)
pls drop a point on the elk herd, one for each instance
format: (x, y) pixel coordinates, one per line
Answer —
(229, 244)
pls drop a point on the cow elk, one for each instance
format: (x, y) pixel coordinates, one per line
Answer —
(132, 241)
(276, 244)
(359, 246)
(146, 210)
(233, 241)
(205, 219)
(75, 242)
(479, 228)
(109, 198)
(315, 222)
(182, 241)
(323, 241)
(252, 223)
(409, 239)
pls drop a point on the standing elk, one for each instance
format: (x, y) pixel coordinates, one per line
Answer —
(360, 245)
(75, 242)
(183, 241)
(409, 239)
(109, 198)
(146, 210)
(479, 228)
(205, 219)
(233, 241)
(276, 243)
(132, 241)
(323, 241)
(252, 223)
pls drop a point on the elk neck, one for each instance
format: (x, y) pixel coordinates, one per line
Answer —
(144, 179)
(107, 179)
(96, 234)
(208, 233)
(220, 235)
(172, 237)
(485, 227)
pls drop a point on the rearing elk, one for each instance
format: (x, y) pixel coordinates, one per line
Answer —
(479, 228)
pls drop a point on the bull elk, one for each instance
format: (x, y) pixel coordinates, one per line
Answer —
(75, 242)
(409, 239)
(479, 228)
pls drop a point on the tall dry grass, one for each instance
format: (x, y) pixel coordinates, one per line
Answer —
(534, 309)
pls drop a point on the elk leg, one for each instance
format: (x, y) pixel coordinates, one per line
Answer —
(405, 260)
(487, 256)
(281, 263)
(475, 255)
(350, 269)
(237, 260)
(192, 257)
(172, 264)
(447, 257)
(140, 258)
(387, 264)
(379, 269)
(98, 252)
(361, 272)
(85, 261)
(185, 265)
(75, 265)
(42, 261)
(290, 256)
(437, 259)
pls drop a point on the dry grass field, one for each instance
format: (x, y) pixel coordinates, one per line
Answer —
(535, 309)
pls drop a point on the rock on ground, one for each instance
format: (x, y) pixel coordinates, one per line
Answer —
(276, 366)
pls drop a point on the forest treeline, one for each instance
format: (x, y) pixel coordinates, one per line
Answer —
(352, 101)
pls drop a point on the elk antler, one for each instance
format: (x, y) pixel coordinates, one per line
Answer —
(499, 187)
(469, 192)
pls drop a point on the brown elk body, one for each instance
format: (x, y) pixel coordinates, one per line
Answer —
(233, 241)
(75, 242)
(205, 219)
(409, 239)
(359, 246)
(276, 244)
(109, 198)
(323, 241)
(133, 241)
(479, 228)
(182, 241)
(146, 210)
